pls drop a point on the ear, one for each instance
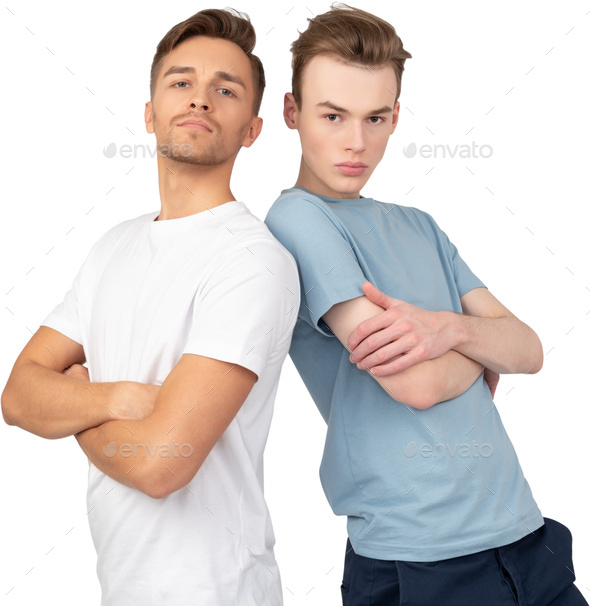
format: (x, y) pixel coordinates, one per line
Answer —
(253, 131)
(290, 111)
(394, 117)
(148, 117)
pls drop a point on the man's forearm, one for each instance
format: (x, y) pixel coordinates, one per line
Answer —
(52, 405)
(486, 332)
(137, 453)
(504, 345)
(433, 381)
(113, 448)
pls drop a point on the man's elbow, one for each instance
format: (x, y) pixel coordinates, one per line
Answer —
(162, 488)
(11, 413)
(421, 401)
(157, 491)
(153, 482)
(421, 396)
(537, 364)
(161, 481)
(536, 359)
(8, 409)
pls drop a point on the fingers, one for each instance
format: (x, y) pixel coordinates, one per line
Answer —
(392, 367)
(77, 371)
(368, 328)
(389, 350)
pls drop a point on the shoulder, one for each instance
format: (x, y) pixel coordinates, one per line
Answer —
(249, 243)
(252, 268)
(248, 230)
(298, 218)
(296, 204)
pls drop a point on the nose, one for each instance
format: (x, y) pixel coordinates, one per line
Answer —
(202, 107)
(355, 138)
(200, 101)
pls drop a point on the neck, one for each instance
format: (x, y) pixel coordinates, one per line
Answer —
(188, 189)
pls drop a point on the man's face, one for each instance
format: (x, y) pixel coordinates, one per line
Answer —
(216, 76)
(346, 116)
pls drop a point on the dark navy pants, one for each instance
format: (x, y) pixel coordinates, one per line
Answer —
(537, 570)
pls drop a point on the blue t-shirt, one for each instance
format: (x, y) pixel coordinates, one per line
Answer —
(416, 485)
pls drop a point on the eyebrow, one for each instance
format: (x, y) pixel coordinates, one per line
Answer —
(175, 69)
(329, 105)
(182, 69)
(230, 78)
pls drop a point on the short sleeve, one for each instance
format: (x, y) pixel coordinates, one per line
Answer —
(65, 317)
(465, 279)
(246, 307)
(329, 271)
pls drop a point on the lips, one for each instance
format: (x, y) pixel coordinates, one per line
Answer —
(195, 124)
(351, 169)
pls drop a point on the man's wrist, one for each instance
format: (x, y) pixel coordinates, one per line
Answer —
(104, 405)
(454, 329)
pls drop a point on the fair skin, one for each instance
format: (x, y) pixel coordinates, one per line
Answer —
(41, 397)
(220, 87)
(201, 395)
(330, 136)
(347, 114)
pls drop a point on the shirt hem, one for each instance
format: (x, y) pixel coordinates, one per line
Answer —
(249, 360)
(429, 554)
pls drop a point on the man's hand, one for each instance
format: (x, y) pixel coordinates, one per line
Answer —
(131, 400)
(402, 336)
(420, 386)
(78, 372)
(196, 404)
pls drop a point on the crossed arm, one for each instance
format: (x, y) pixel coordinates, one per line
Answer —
(186, 415)
(195, 405)
(420, 357)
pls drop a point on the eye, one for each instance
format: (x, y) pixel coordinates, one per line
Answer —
(226, 92)
(376, 119)
(177, 83)
(332, 117)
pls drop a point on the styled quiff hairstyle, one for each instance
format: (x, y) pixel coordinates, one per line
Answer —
(226, 24)
(353, 36)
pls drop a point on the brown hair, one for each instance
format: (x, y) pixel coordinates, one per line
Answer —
(355, 37)
(226, 24)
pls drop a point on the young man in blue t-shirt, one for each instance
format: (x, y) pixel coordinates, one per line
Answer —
(416, 454)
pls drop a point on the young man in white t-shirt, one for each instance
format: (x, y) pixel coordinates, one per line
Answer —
(199, 298)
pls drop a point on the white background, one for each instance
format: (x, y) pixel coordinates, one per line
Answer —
(510, 75)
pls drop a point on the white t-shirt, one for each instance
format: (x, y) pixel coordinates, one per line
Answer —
(216, 284)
